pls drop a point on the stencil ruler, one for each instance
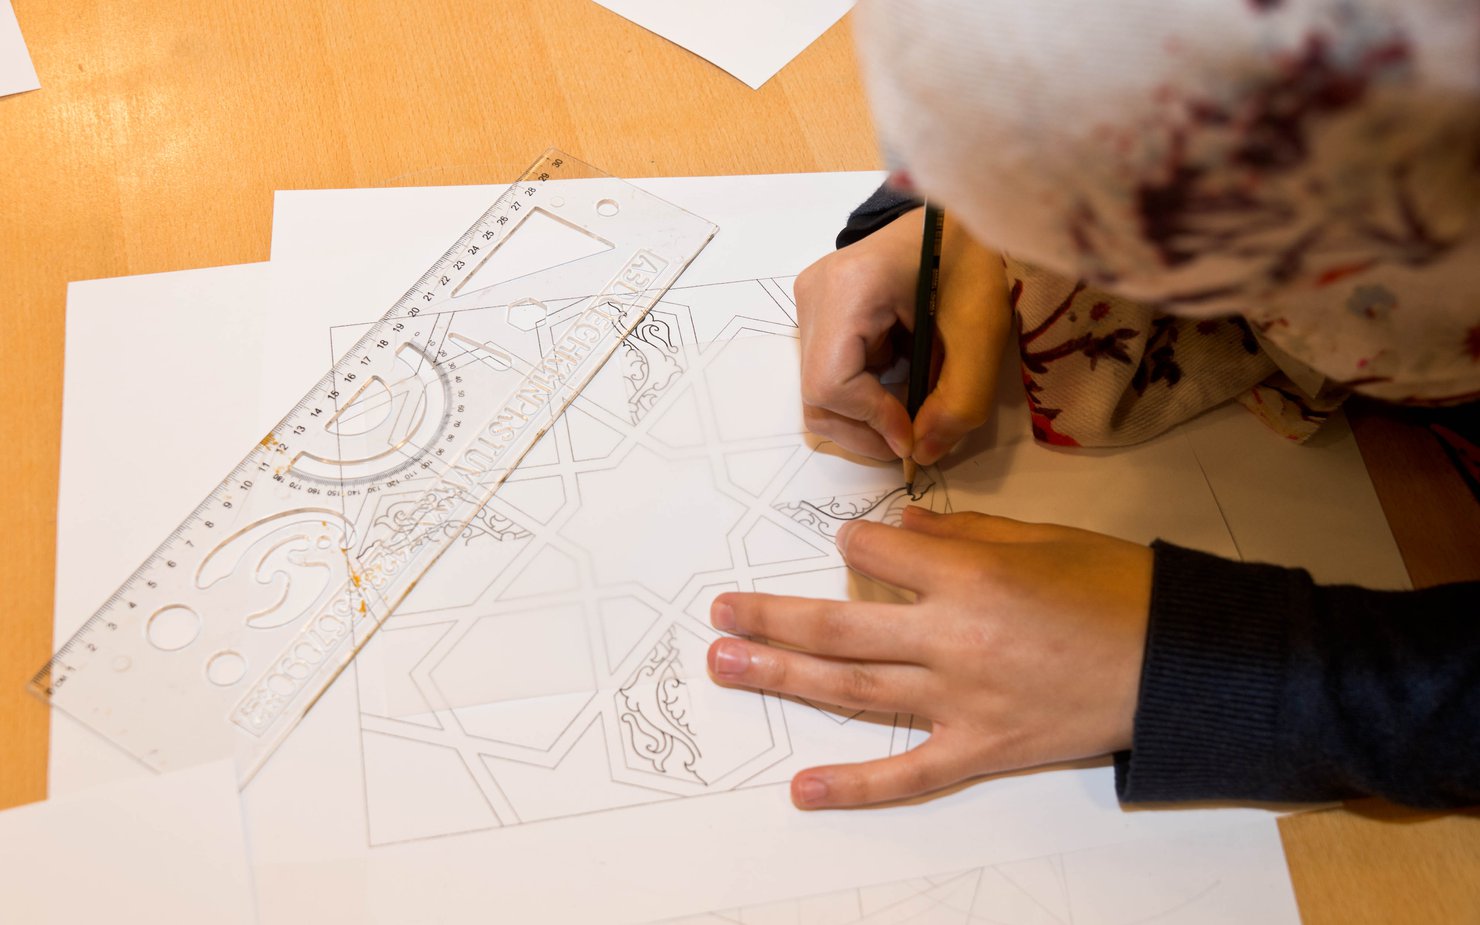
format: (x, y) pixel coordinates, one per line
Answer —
(229, 632)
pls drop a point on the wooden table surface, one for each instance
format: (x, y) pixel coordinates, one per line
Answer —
(162, 129)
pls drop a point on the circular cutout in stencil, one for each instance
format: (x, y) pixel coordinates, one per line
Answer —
(226, 668)
(607, 208)
(173, 628)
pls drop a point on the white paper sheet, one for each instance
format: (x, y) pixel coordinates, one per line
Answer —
(751, 40)
(157, 849)
(1232, 876)
(761, 234)
(308, 810)
(17, 74)
(1311, 505)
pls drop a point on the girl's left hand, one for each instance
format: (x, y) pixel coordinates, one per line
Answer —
(1023, 647)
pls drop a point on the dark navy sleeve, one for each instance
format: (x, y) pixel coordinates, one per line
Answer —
(883, 207)
(1259, 684)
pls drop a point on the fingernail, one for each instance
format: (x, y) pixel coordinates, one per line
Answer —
(730, 659)
(841, 539)
(811, 790)
(722, 617)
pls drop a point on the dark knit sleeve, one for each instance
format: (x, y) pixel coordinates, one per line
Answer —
(1259, 684)
(878, 210)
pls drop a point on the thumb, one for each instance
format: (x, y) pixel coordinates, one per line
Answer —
(961, 402)
(972, 321)
(926, 767)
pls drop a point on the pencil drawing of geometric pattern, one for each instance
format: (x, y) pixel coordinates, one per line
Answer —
(1020, 893)
(1061, 889)
(552, 662)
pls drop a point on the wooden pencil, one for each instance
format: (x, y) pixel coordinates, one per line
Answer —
(923, 337)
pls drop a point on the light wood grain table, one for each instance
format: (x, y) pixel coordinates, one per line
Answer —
(163, 127)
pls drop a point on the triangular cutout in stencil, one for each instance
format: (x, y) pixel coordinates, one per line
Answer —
(538, 243)
(753, 470)
(590, 438)
(624, 622)
(766, 543)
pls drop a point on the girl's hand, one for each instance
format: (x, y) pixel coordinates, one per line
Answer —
(1023, 647)
(849, 305)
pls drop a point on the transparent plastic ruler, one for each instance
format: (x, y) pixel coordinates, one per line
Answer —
(225, 637)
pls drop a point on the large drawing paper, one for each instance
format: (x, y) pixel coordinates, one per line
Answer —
(471, 815)
(752, 40)
(165, 848)
(310, 812)
(307, 811)
(16, 72)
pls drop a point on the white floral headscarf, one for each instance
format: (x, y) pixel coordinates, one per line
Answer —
(1310, 165)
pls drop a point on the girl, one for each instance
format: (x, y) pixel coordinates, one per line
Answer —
(1268, 200)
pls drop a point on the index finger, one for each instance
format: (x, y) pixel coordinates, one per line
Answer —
(904, 558)
(865, 400)
(835, 378)
(838, 629)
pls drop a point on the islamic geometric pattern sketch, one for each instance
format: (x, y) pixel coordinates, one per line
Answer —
(552, 662)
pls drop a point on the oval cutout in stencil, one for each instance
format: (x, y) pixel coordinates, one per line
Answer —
(173, 628)
(226, 668)
(607, 208)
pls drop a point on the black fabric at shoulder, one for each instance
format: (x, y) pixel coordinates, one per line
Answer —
(1259, 684)
(878, 210)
